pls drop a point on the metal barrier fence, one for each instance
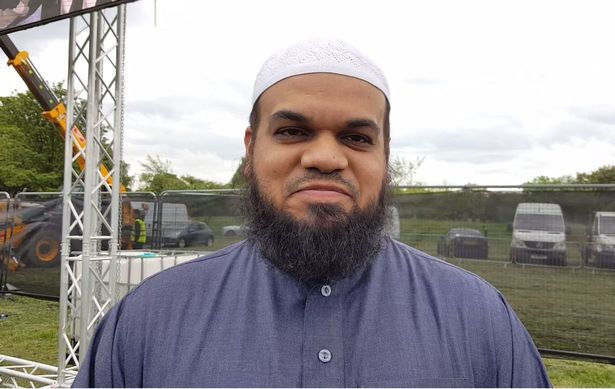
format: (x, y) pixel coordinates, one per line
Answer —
(549, 249)
(5, 249)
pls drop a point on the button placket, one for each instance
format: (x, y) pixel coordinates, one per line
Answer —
(323, 322)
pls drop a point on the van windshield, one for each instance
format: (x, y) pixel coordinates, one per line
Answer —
(607, 225)
(527, 221)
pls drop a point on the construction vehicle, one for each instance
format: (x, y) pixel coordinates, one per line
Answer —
(34, 233)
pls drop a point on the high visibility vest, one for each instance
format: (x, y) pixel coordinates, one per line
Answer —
(142, 234)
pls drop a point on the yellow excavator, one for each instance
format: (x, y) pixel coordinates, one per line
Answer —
(32, 234)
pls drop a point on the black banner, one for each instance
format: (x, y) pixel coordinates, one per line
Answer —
(18, 15)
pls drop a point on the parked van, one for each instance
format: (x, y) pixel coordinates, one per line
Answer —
(600, 248)
(538, 234)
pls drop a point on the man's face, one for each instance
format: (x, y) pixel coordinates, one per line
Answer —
(319, 142)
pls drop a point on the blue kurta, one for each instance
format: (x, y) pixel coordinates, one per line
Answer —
(231, 319)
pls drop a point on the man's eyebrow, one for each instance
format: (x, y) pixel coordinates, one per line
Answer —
(300, 118)
(289, 115)
(359, 123)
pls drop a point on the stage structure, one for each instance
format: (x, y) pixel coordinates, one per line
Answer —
(91, 193)
(96, 59)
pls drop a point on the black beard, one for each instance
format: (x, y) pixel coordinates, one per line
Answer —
(332, 245)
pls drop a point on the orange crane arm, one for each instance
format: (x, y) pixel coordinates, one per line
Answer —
(53, 109)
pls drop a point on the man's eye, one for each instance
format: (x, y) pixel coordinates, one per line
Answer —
(359, 139)
(286, 133)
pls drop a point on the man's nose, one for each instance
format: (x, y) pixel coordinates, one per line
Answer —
(324, 153)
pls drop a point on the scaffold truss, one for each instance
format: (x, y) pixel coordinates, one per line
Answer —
(91, 211)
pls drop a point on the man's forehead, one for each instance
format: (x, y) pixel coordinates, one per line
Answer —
(324, 93)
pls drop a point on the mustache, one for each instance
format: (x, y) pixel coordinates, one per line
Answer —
(315, 175)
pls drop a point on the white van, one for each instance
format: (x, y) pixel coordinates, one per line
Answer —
(538, 234)
(600, 248)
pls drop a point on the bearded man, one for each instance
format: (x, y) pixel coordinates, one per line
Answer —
(317, 295)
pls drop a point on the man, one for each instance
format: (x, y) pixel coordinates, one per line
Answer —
(317, 295)
(139, 231)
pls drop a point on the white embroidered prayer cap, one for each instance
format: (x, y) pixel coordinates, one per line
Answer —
(319, 56)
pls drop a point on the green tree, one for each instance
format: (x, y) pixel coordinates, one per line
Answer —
(403, 171)
(197, 183)
(545, 180)
(32, 153)
(20, 163)
(158, 176)
(127, 179)
(602, 175)
(239, 179)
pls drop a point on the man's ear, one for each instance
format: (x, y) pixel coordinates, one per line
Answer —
(248, 142)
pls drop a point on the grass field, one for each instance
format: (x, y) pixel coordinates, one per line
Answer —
(30, 332)
(563, 309)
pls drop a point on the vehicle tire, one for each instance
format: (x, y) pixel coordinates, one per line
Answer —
(181, 243)
(230, 233)
(585, 255)
(44, 249)
(210, 241)
(457, 252)
(513, 258)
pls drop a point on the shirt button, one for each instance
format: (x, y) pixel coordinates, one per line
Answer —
(325, 290)
(324, 355)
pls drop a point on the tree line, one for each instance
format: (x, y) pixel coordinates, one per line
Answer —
(32, 155)
(603, 175)
(32, 158)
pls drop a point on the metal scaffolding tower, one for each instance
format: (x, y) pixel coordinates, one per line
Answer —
(91, 217)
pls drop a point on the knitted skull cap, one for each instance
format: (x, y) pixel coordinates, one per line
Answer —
(318, 56)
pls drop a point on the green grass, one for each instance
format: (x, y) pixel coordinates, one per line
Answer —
(37, 280)
(30, 332)
(576, 374)
(563, 309)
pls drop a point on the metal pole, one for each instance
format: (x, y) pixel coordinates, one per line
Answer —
(68, 294)
(118, 140)
(89, 195)
(88, 283)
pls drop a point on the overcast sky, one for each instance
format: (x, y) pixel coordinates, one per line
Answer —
(487, 92)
